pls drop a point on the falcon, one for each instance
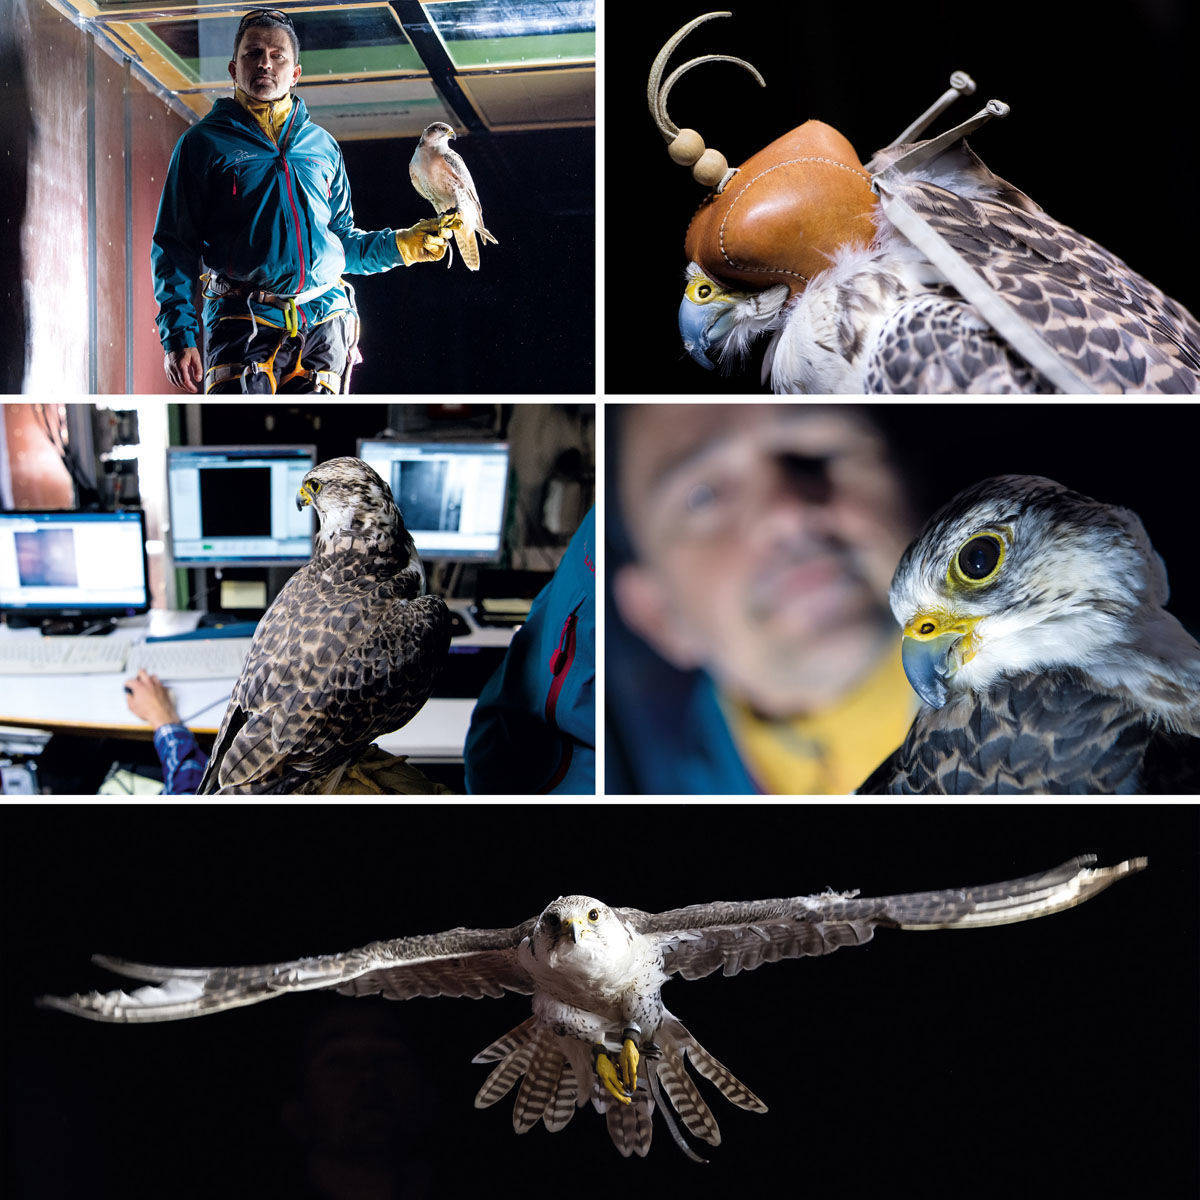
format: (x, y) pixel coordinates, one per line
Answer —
(918, 272)
(348, 650)
(1035, 633)
(599, 1030)
(440, 175)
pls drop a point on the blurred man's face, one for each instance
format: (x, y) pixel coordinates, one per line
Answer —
(265, 66)
(766, 536)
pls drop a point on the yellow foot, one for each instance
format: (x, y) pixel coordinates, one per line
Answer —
(629, 1064)
(449, 221)
(607, 1074)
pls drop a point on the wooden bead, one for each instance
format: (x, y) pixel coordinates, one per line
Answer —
(710, 168)
(686, 148)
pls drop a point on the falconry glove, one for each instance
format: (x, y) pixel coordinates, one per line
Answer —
(426, 240)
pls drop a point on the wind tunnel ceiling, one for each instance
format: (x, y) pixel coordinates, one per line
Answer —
(378, 69)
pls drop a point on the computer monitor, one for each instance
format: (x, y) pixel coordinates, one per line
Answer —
(451, 495)
(71, 564)
(235, 506)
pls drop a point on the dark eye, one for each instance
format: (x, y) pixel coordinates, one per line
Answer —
(979, 557)
(552, 921)
(594, 915)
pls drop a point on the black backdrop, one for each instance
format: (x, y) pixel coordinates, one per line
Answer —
(1051, 1058)
(1101, 132)
(525, 321)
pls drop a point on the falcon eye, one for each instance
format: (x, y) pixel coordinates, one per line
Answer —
(594, 915)
(552, 921)
(979, 559)
(314, 486)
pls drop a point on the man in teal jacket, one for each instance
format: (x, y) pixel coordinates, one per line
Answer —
(257, 205)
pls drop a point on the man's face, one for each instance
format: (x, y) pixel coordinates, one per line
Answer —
(265, 66)
(766, 536)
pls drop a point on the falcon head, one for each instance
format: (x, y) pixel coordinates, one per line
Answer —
(350, 500)
(437, 135)
(1019, 574)
(580, 932)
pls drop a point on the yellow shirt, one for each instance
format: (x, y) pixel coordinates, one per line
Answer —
(833, 751)
(270, 114)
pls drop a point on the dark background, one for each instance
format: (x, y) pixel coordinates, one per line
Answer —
(1051, 1058)
(1101, 132)
(526, 320)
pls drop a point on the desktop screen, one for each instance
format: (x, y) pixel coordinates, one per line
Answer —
(236, 506)
(451, 496)
(66, 562)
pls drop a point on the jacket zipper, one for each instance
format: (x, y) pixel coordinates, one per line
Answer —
(560, 662)
(287, 178)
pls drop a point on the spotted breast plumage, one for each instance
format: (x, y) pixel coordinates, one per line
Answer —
(347, 652)
(599, 1031)
(1034, 630)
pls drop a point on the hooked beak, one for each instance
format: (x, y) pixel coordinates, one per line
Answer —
(575, 927)
(934, 647)
(304, 498)
(703, 325)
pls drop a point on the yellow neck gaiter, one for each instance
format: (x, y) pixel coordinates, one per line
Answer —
(270, 114)
(833, 751)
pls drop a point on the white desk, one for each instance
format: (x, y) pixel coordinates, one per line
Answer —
(96, 703)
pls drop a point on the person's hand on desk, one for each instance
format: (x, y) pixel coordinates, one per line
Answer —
(149, 699)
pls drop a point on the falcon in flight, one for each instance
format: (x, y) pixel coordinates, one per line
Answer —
(918, 272)
(347, 652)
(599, 1029)
(1034, 630)
(440, 175)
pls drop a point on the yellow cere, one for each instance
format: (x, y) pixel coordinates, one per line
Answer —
(938, 623)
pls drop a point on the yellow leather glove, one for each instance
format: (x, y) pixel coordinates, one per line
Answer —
(426, 241)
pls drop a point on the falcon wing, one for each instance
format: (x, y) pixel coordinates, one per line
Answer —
(734, 937)
(459, 962)
(336, 662)
(1116, 330)
(1035, 733)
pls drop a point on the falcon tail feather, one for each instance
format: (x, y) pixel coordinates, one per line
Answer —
(552, 1069)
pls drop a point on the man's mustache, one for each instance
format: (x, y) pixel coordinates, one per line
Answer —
(767, 587)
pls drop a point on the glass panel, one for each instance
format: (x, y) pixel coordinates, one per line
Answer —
(494, 33)
(521, 99)
(350, 41)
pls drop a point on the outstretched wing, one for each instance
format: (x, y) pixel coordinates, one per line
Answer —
(733, 937)
(1114, 328)
(460, 962)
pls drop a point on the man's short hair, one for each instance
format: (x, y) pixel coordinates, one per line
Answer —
(267, 18)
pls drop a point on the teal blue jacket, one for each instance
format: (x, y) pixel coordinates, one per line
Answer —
(534, 727)
(275, 217)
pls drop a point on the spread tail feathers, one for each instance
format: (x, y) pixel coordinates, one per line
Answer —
(555, 1077)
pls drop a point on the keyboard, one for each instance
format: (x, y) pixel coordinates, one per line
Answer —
(63, 655)
(206, 658)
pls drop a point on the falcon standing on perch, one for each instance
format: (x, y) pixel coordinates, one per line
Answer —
(347, 652)
(440, 175)
(919, 272)
(599, 1029)
(1034, 631)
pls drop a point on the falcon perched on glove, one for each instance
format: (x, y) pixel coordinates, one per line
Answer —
(1034, 630)
(347, 652)
(918, 272)
(441, 176)
(599, 1029)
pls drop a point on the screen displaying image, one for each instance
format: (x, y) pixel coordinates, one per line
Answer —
(67, 562)
(236, 506)
(452, 496)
